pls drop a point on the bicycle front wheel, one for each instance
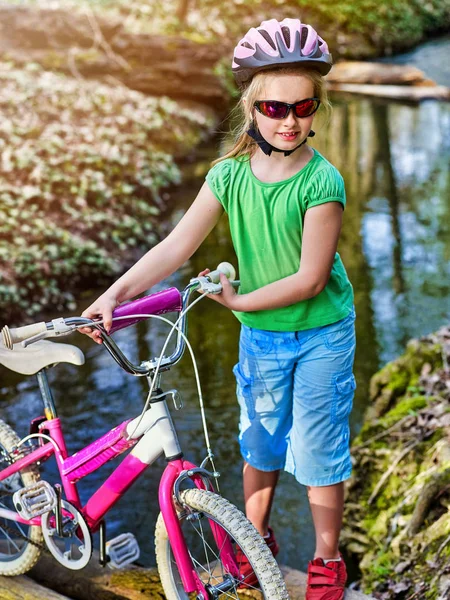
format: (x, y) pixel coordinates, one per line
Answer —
(19, 544)
(205, 508)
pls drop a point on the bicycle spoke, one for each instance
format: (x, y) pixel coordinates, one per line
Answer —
(202, 537)
(221, 538)
(220, 553)
(204, 547)
(213, 562)
(213, 578)
(10, 539)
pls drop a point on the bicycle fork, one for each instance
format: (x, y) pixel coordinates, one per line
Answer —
(175, 470)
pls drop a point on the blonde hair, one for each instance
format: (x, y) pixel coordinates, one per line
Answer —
(243, 111)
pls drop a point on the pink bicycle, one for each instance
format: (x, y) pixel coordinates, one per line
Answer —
(197, 532)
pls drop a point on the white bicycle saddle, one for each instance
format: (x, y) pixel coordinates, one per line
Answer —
(35, 357)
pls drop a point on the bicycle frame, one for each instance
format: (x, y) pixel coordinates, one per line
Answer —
(151, 436)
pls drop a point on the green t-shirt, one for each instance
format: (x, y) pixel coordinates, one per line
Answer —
(266, 222)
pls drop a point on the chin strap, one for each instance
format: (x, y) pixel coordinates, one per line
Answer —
(268, 148)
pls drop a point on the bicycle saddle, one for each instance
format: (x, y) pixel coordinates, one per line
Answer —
(35, 357)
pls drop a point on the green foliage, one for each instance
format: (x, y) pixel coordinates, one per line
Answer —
(83, 166)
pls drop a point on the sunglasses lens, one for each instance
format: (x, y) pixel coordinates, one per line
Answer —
(273, 110)
(306, 107)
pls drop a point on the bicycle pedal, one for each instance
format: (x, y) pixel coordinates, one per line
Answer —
(122, 550)
(35, 499)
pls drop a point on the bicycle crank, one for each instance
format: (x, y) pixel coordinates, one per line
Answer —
(69, 541)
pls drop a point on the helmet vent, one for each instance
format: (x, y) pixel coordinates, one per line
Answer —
(247, 45)
(267, 37)
(286, 35)
(304, 37)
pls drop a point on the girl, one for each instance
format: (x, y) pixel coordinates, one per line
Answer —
(285, 202)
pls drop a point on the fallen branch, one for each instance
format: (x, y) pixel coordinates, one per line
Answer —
(441, 547)
(382, 434)
(430, 490)
(100, 41)
(394, 92)
(391, 469)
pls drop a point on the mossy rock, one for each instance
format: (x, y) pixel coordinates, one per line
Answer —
(401, 478)
(394, 380)
(406, 406)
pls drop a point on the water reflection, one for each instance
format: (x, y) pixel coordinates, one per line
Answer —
(396, 247)
(394, 158)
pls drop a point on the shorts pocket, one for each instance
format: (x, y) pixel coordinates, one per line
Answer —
(257, 341)
(340, 335)
(343, 392)
(244, 391)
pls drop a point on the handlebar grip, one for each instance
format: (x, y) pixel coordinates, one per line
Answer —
(226, 268)
(19, 334)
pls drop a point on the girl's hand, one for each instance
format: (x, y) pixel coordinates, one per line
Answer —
(102, 308)
(228, 296)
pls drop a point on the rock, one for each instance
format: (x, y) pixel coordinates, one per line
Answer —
(399, 491)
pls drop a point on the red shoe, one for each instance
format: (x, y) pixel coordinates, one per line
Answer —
(326, 581)
(246, 569)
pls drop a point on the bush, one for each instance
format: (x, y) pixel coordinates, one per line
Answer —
(83, 167)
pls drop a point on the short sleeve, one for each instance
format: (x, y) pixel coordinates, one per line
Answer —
(325, 186)
(218, 179)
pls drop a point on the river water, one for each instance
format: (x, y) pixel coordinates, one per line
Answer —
(396, 247)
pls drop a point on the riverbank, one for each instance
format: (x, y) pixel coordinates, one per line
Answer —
(397, 516)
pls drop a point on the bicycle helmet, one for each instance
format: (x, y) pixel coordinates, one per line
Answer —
(279, 43)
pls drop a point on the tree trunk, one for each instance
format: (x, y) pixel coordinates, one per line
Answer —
(86, 46)
(15, 588)
(135, 583)
(182, 12)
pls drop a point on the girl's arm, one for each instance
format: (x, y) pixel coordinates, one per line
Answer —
(321, 231)
(163, 259)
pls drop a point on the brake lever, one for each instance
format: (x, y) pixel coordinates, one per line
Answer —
(59, 328)
(211, 288)
(208, 287)
(35, 338)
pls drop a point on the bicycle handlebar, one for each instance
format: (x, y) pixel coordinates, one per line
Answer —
(169, 300)
(19, 334)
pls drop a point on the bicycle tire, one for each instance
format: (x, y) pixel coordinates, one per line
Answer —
(241, 531)
(27, 552)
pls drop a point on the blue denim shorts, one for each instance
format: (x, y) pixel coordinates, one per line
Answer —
(295, 391)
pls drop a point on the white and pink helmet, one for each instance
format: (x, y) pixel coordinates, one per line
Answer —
(279, 43)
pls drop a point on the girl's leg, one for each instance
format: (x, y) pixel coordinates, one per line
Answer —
(319, 454)
(327, 505)
(259, 490)
(264, 377)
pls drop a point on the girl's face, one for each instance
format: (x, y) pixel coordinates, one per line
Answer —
(289, 132)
